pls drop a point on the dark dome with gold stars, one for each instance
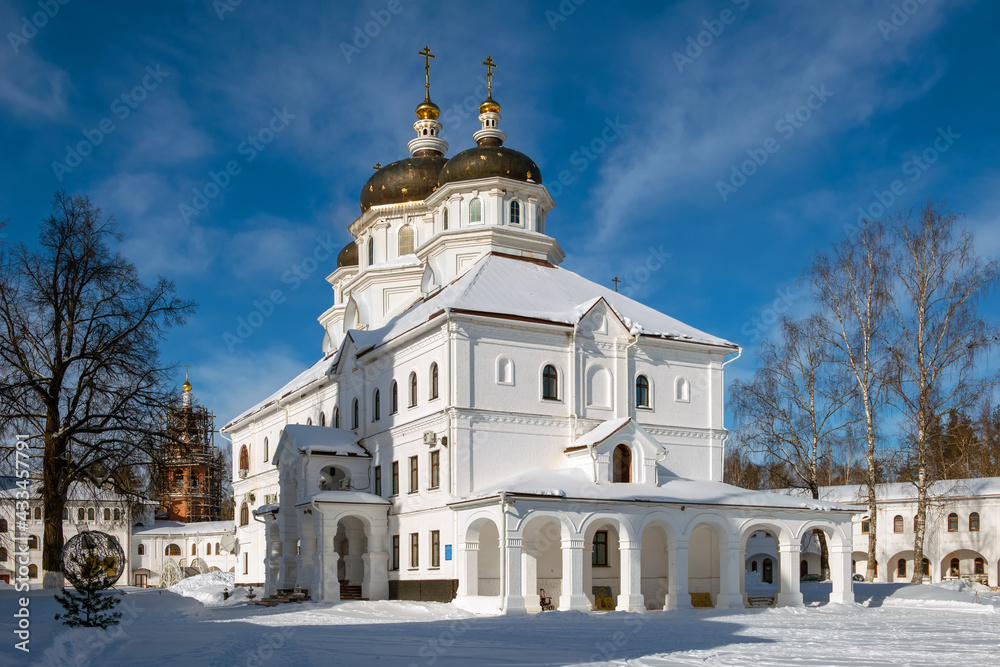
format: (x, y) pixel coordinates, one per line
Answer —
(411, 179)
(489, 161)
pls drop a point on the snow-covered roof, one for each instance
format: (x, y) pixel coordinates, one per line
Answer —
(318, 370)
(574, 483)
(180, 528)
(353, 497)
(602, 432)
(319, 440)
(505, 285)
(855, 493)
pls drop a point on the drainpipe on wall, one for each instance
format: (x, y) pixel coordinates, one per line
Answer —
(571, 385)
(503, 548)
(739, 353)
(593, 458)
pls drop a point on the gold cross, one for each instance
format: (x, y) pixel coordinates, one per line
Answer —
(426, 53)
(489, 75)
(378, 165)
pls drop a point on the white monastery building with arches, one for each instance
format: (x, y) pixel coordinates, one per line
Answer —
(484, 423)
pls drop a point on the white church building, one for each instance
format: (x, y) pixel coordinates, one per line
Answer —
(482, 423)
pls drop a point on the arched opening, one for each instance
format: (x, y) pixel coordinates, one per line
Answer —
(332, 478)
(760, 583)
(768, 576)
(962, 563)
(682, 390)
(244, 514)
(542, 549)
(482, 558)
(244, 460)
(598, 387)
(413, 389)
(622, 465)
(444, 220)
(654, 563)
(336, 417)
(355, 414)
(377, 406)
(515, 212)
(550, 383)
(642, 392)
(704, 573)
(393, 398)
(351, 545)
(434, 381)
(505, 371)
(371, 252)
(476, 210)
(406, 241)
(897, 524)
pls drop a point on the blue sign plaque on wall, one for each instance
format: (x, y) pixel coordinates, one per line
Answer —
(447, 552)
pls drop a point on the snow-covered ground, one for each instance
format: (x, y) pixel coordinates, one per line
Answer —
(892, 624)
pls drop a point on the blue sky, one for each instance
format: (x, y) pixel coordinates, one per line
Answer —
(646, 109)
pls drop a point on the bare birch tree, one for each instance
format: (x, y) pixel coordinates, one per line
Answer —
(79, 336)
(852, 286)
(791, 409)
(937, 337)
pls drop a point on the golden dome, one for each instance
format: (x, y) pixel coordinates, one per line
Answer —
(428, 109)
(187, 384)
(489, 105)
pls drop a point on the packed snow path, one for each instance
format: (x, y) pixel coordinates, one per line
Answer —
(893, 625)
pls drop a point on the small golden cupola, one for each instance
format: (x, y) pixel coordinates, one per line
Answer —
(428, 128)
(187, 390)
(489, 113)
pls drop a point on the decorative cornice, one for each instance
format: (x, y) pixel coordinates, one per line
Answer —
(693, 433)
(469, 417)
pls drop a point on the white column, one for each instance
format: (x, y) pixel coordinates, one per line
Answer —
(376, 564)
(513, 601)
(730, 564)
(789, 594)
(529, 576)
(306, 577)
(677, 577)
(630, 576)
(841, 573)
(468, 568)
(572, 596)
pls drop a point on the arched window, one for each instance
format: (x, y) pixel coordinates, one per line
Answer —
(377, 406)
(476, 210)
(79, 514)
(3, 525)
(979, 566)
(406, 241)
(371, 251)
(322, 419)
(141, 549)
(354, 414)
(505, 371)
(925, 567)
(599, 556)
(65, 514)
(974, 521)
(38, 514)
(642, 392)
(107, 514)
(336, 417)
(622, 465)
(550, 383)
(267, 450)
(32, 541)
(309, 421)
(953, 570)
(901, 568)
(952, 523)
(172, 550)
(515, 212)
(32, 571)
(393, 398)
(244, 458)
(244, 514)
(118, 514)
(444, 220)
(3, 554)
(91, 515)
(915, 523)
(682, 391)
(434, 381)
(216, 548)
(897, 524)
(413, 389)
(194, 549)
(768, 575)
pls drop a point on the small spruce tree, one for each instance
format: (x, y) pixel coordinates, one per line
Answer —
(88, 607)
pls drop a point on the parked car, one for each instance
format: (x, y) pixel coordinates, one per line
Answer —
(809, 577)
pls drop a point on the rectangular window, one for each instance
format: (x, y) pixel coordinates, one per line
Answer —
(378, 480)
(435, 469)
(395, 552)
(435, 548)
(414, 550)
(952, 523)
(395, 478)
(865, 526)
(414, 482)
(599, 557)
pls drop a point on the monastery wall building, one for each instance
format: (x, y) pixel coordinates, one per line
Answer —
(482, 423)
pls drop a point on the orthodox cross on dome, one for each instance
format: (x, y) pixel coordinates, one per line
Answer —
(615, 280)
(426, 53)
(378, 165)
(490, 66)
